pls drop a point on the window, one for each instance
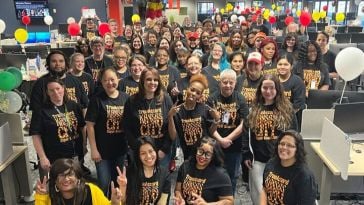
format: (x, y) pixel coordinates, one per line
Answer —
(205, 7)
(343, 6)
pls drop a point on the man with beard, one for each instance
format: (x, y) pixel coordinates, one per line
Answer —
(193, 41)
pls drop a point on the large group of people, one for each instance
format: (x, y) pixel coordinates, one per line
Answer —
(222, 91)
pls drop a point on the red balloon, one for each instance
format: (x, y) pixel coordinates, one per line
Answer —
(104, 28)
(305, 18)
(288, 20)
(247, 10)
(74, 29)
(25, 20)
(288, 11)
(272, 19)
(238, 7)
(325, 8)
(258, 12)
(254, 18)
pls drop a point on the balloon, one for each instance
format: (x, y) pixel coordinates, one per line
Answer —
(48, 20)
(17, 74)
(104, 28)
(266, 14)
(233, 18)
(2, 26)
(288, 20)
(135, 18)
(340, 17)
(349, 63)
(274, 6)
(254, 18)
(7, 81)
(222, 11)
(272, 19)
(271, 13)
(305, 18)
(25, 20)
(316, 16)
(12, 102)
(247, 10)
(298, 13)
(217, 10)
(71, 20)
(325, 8)
(21, 35)
(323, 14)
(288, 11)
(235, 10)
(279, 8)
(241, 19)
(73, 29)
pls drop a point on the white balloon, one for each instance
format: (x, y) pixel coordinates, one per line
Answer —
(48, 20)
(349, 63)
(241, 19)
(2, 26)
(71, 20)
(235, 10)
(217, 10)
(271, 13)
(233, 18)
(11, 103)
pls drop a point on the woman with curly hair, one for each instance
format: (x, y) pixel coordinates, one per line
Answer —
(271, 114)
(83, 46)
(289, 166)
(235, 42)
(290, 45)
(311, 68)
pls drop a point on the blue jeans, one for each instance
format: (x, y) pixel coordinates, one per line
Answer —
(232, 165)
(106, 171)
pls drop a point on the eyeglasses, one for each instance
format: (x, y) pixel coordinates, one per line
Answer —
(65, 175)
(120, 57)
(289, 146)
(206, 154)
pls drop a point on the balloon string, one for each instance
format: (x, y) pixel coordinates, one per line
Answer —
(342, 93)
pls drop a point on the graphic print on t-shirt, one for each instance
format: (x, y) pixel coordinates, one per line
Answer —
(114, 118)
(270, 71)
(131, 90)
(149, 192)
(265, 126)
(288, 94)
(62, 124)
(95, 73)
(85, 86)
(164, 80)
(275, 187)
(227, 111)
(71, 94)
(192, 185)
(192, 130)
(312, 79)
(151, 122)
(249, 94)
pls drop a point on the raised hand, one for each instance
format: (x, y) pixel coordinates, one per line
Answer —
(116, 195)
(41, 186)
(175, 108)
(121, 179)
(198, 199)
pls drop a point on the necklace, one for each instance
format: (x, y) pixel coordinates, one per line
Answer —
(97, 66)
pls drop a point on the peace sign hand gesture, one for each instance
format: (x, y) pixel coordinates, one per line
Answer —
(41, 186)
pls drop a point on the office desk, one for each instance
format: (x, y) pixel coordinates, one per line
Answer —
(6, 174)
(356, 168)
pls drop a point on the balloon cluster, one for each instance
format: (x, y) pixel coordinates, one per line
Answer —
(154, 9)
(10, 101)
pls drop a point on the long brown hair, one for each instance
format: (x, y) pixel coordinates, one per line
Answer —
(159, 93)
(283, 110)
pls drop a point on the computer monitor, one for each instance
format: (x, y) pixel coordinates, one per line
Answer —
(343, 37)
(327, 99)
(43, 37)
(15, 60)
(33, 51)
(357, 37)
(355, 29)
(11, 49)
(31, 37)
(63, 28)
(350, 117)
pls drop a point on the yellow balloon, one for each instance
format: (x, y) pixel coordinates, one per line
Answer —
(279, 8)
(21, 35)
(135, 18)
(266, 15)
(323, 14)
(222, 11)
(340, 17)
(274, 6)
(298, 13)
(316, 16)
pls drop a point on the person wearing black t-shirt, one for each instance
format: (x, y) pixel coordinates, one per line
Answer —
(104, 119)
(217, 61)
(287, 178)
(310, 67)
(77, 66)
(269, 50)
(148, 183)
(146, 114)
(120, 58)
(294, 87)
(192, 120)
(66, 185)
(270, 115)
(98, 60)
(57, 66)
(233, 111)
(202, 179)
(57, 127)
(130, 84)
(168, 73)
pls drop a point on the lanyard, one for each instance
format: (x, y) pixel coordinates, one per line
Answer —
(64, 115)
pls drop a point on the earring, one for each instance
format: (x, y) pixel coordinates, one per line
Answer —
(56, 188)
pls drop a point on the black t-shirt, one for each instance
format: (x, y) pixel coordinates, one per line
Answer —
(107, 114)
(129, 86)
(143, 117)
(294, 89)
(169, 75)
(264, 135)
(153, 187)
(88, 83)
(233, 110)
(93, 67)
(74, 88)
(191, 126)
(247, 87)
(123, 75)
(60, 131)
(314, 78)
(329, 58)
(182, 70)
(211, 183)
(289, 185)
(87, 200)
(215, 73)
